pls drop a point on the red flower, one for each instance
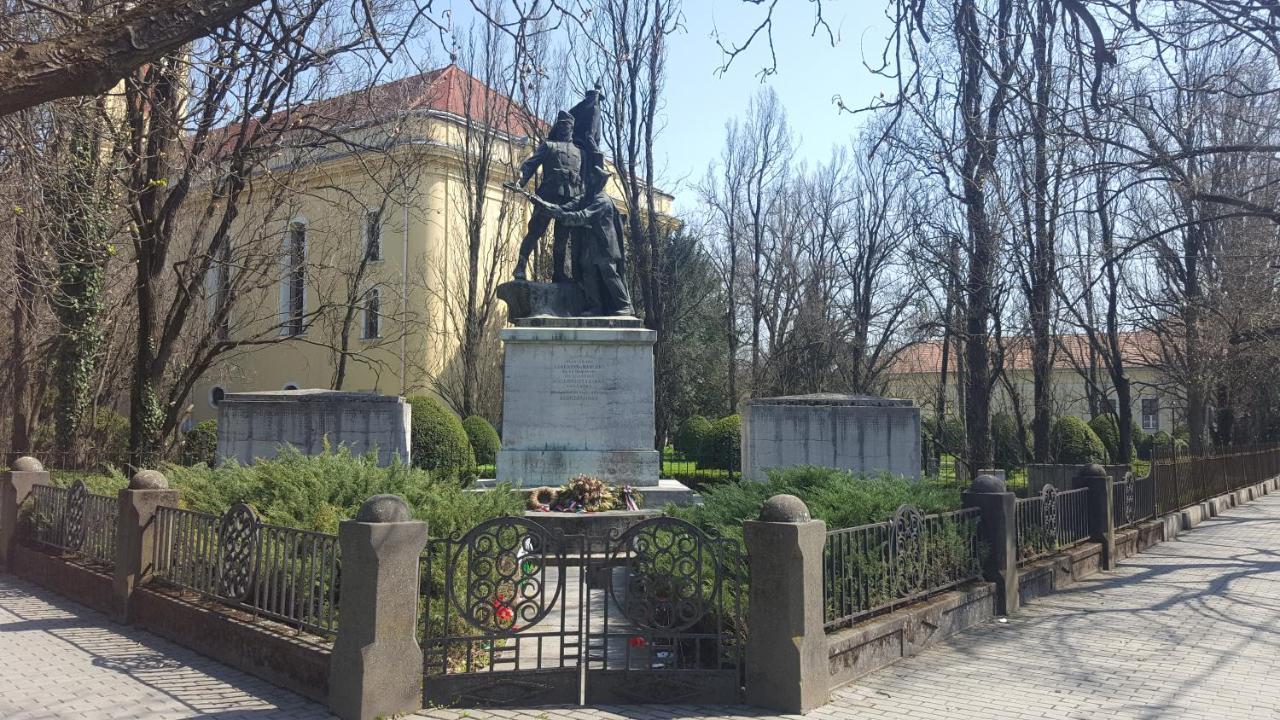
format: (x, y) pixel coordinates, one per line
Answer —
(636, 641)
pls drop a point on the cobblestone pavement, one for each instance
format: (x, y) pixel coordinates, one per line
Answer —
(62, 660)
(1190, 629)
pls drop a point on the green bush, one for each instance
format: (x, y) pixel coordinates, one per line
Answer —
(484, 439)
(1158, 441)
(836, 496)
(690, 436)
(1141, 443)
(723, 446)
(317, 492)
(200, 444)
(1008, 445)
(438, 441)
(1108, 431)
(1072, 442)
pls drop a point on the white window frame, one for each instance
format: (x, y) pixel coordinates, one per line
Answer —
(1154, 425)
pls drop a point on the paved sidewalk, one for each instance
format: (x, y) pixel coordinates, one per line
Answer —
(1190, 629)
(60, 660)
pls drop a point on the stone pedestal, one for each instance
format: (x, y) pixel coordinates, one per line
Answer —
(578, 398)
(253, 425)
(858, 433)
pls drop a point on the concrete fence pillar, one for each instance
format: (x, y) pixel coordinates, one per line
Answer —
(999, 531)
(135, 537)
(376, 666)
(15, 486)
(1102, 528)
(788, 668)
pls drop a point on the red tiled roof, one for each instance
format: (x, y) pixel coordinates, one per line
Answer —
(1069, 352)
(449, 89)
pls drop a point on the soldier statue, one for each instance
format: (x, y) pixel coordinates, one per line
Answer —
(561, 162)
(599, 255)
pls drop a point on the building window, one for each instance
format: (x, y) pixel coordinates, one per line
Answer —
(291, 386)
(216, 393)
(373, 235)
(295, 291)
(1114, 404)
(372, 314)
(1150, 414)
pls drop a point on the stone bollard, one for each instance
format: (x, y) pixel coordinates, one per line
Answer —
(788, 668)
(376, 666)
(135, 537)
(15, 486)
(1102, 527)
(999, 530)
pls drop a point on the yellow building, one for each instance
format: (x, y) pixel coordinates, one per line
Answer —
(375, 241)
(917, 372)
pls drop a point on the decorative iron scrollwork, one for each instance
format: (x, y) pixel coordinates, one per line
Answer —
(498, 574)
(673, 574)
(74, 519)
(1130, 500)
(237, 552)
(1049, 513)
(908, 549)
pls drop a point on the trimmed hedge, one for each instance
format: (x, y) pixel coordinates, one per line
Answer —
(438, 442)
(690, 436)
(484, 439)
(1008, 446)
(200, 444)
(723, 446)
(1073, 442)
(1108, 431)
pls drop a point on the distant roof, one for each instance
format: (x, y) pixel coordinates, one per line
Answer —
(1139, 349)
(449, 89)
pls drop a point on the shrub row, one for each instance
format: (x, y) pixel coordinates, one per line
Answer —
(713, 445)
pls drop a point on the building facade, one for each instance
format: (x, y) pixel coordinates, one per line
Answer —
(374, 263)
(1076, 377)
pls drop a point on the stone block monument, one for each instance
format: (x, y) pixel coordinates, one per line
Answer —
(859, 433)
(254, 425)
(578, 398)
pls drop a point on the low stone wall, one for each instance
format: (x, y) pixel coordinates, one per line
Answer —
(1046, 575)
(256, 648)
(871, 645)
(82, 584)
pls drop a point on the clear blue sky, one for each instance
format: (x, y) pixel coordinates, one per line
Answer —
(811, 71)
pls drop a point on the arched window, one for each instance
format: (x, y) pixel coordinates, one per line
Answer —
(373, 234)
(372, 314)
(294, 295)
(216, 393)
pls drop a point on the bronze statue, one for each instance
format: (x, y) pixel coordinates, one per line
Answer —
(561, 162)
(585, 216)
(599, 254)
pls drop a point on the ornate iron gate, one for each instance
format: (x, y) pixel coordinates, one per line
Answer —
(516, 614)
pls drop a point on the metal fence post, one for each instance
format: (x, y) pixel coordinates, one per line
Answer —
(787, 659)
(376, 666)
(1102, 528)
(135, 537)
(15, 486)
(999, 529)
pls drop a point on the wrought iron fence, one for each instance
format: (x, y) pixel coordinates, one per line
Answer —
(1182, 479)
(872, 568)
(1132, 500)
(1051, 521)
(75, 521)
(282, 573)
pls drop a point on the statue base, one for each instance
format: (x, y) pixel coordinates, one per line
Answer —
(526, 299)
(578, 399)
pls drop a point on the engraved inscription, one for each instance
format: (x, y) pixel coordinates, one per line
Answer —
(579, 380)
